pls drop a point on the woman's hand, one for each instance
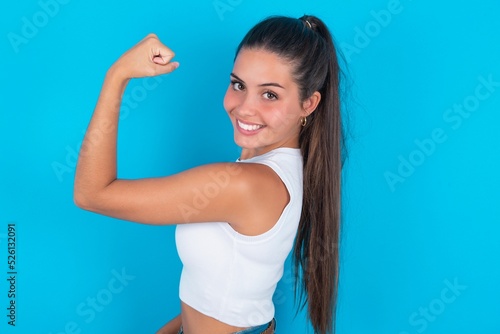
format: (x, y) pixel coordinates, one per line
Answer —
(147, 58)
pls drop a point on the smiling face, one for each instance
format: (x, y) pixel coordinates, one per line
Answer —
(263, 103)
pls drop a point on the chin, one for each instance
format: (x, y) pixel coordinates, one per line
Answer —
(243, 143)
(247, 143)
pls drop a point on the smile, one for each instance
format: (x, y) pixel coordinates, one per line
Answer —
(248, 127)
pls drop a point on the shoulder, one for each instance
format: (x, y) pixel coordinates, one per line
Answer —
(233, 175)
(242, 181)
(258, 197)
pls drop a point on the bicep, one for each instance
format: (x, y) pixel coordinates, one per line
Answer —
(204, 194)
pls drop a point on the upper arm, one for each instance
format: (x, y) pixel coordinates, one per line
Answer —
(224, 192)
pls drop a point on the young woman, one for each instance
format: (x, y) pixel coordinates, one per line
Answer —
(283, 102)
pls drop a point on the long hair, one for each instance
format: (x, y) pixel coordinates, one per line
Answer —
(307, 44)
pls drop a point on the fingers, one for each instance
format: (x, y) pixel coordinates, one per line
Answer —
(161, 55)
(164, 64)
(147, 58)
(170, 67)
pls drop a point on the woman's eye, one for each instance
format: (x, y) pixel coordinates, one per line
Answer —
(270, 96)
(237, 85)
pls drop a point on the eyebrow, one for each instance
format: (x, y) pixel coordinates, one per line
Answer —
(274, 84)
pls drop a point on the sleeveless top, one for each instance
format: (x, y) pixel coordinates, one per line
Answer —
(230, 276)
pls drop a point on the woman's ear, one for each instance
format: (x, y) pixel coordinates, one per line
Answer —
(311, 103)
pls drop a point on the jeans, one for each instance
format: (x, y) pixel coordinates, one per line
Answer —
(251, 330)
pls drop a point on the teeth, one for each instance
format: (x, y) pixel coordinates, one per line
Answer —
(249, 127)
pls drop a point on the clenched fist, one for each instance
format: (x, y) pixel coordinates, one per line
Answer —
(147, 58)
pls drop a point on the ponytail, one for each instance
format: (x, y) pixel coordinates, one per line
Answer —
(316, 250)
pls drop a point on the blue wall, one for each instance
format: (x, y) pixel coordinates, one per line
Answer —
(420, 241)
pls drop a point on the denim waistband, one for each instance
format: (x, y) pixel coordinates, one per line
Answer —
(252, 330)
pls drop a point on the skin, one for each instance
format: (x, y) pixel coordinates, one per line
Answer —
(159, 201)
(263, 92)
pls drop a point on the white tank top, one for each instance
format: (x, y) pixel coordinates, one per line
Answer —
(232, 277)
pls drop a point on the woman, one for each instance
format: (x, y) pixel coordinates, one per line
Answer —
(237, 221)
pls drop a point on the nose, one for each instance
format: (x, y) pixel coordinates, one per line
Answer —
(247, 106)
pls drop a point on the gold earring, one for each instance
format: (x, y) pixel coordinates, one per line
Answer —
(303, 121)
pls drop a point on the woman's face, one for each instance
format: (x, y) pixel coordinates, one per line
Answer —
(263, 103)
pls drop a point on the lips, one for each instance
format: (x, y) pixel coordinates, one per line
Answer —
(248, 127)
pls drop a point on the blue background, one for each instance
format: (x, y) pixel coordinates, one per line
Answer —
(407, 237)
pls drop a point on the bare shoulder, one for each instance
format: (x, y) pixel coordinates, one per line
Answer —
(264, 195)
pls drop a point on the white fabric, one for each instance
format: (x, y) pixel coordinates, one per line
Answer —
(232, 277)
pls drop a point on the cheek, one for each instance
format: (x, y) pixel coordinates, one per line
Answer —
(230, 100)
(286, 115)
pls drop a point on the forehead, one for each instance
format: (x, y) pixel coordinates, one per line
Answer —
(258, 65)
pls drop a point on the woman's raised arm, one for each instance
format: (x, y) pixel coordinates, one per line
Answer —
(218, 192)
(96, 167)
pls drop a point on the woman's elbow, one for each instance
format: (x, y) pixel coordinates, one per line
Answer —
(79, 200)
(82, 199)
